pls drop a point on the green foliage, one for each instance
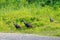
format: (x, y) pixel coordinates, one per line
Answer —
(16, 10)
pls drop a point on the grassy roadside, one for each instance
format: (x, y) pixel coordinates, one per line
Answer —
(36, 15)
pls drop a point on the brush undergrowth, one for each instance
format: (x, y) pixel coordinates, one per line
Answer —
(31, 11)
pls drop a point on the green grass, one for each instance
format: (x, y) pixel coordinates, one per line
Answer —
(35, 14)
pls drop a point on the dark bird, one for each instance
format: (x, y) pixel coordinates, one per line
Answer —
(51, 20)
(16, 25)
(28, 25)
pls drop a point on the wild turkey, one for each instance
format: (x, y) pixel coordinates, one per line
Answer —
(17, 26)
(28, 25)
(51, 20)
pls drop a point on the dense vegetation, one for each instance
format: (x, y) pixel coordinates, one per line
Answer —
(36, 12)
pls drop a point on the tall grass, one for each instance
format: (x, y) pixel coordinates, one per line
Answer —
(16, 10)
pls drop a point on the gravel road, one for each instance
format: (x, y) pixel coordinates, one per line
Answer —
(15, 36)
